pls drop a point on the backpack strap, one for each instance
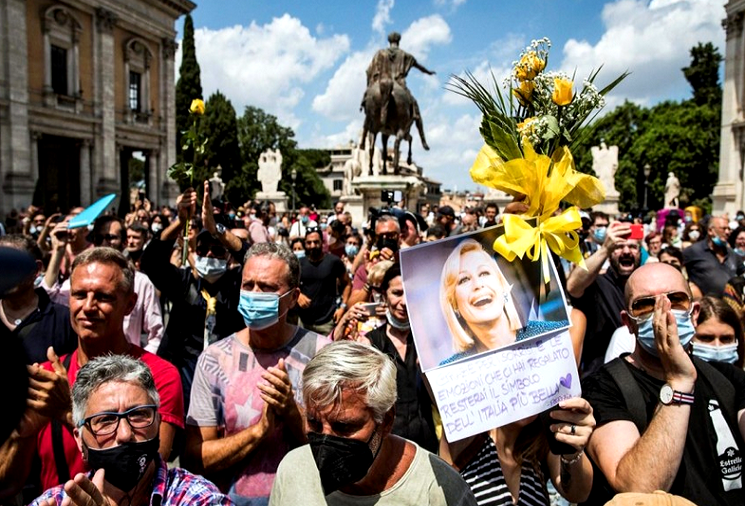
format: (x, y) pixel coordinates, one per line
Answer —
(632, 394)
(58, 447)
(724, 389)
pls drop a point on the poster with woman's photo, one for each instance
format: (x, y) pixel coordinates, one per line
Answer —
(473, 313)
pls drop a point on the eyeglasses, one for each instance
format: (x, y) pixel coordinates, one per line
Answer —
(216, 249)
(107, 422)
(643, 308)
(107, 237)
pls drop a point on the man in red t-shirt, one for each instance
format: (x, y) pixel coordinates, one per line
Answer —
(101, 294)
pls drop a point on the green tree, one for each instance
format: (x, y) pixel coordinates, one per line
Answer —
(259, 131)
(219, 126)
(680, 137)
(703, 75)
(188, 86)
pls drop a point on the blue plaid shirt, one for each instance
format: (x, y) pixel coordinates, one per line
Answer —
(170, 487)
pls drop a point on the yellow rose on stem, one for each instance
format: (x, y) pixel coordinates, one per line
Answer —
(562, 94)
(197, 107)
(524, 92)
(529, 66)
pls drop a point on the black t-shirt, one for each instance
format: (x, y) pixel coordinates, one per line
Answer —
(706, 271)
(49, 325)
(318, 282)
(698, 478)
(601, 303)
(413, 405)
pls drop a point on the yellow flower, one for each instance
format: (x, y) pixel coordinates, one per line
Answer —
(529, 66)
(524, 92)
(197, 107)
(563, 94)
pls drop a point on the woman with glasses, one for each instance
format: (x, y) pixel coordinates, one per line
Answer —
(115, 413)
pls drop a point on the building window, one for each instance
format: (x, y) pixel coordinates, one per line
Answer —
(59, 70)
(135, 91)
(338, 184)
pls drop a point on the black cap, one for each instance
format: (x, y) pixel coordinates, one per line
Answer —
(446, 211)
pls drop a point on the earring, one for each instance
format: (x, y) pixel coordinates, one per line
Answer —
(507, 294)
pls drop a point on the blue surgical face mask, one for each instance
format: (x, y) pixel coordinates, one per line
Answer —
(725, 353)
(299, 253)
(718, 241)
(740, 252)
(210, 269)
(645, 334)
(351, 250)
(305, 219)
(599, 234)
(260, 310)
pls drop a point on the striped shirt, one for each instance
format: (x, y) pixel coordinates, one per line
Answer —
(171, 487)
(484, 475)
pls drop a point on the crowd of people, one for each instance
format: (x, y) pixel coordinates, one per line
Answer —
(205, 354)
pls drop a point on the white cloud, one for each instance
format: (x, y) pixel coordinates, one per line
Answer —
(382, 16)
(424, 33)
(265, 65)
(652, 41)
(343, 95)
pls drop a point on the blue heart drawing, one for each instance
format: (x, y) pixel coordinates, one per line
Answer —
(566, 381)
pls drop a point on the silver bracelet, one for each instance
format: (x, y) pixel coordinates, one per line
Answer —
(576, 458)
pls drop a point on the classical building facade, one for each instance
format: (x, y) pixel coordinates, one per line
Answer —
(84, 84)
(728, 194)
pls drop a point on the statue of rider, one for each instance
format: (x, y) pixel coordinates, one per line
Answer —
(389, 68)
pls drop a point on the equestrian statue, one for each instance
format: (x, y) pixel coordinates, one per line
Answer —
(389, 106)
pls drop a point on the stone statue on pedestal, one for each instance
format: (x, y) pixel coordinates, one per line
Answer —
(672, 191)
(605, 164)
(217, 187)
(270, 170)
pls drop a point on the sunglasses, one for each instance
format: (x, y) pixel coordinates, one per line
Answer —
(216, 249)
(643, 308)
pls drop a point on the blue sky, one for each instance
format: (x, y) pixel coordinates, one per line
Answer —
(304, 62)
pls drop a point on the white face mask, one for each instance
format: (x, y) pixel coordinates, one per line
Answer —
(210, 269)
(694, 235)
(156, 227)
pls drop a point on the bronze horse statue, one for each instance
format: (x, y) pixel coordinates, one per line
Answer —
(394, 119)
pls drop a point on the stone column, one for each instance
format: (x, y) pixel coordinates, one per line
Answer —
(34, 148)
(18, 183)
(728, 192)
(167, 107)
(107, 177)
(86, 189)
(153, 175)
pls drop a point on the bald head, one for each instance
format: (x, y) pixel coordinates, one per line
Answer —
(654, 279)
(718, 228)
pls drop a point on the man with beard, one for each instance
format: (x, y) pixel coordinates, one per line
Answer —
(205, 300)
(711, 263)
(600, 296)
(323, 278)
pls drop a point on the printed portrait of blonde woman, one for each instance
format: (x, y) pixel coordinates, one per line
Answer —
(478, 304)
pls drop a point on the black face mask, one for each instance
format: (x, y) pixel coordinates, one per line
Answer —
(124, 464)
(340, 460)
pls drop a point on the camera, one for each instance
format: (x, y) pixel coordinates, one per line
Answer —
(391, 196)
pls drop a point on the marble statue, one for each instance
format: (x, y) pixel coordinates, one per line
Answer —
(605, 164)
(217, 187)
(672, 191)
(270, 170)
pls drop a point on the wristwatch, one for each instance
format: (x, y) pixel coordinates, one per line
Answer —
(669, 396)
(220, 229)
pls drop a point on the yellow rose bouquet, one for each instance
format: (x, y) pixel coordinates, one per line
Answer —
(529, 125)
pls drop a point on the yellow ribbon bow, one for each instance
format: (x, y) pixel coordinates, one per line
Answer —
(544, 181)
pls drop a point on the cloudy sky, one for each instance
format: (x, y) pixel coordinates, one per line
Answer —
(305, 62)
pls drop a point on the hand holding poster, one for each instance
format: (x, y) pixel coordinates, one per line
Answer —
(488, 333)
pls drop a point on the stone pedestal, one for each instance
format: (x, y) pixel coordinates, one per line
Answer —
(370, 188)
(610, 205)
(279, 199)
(354, 204)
